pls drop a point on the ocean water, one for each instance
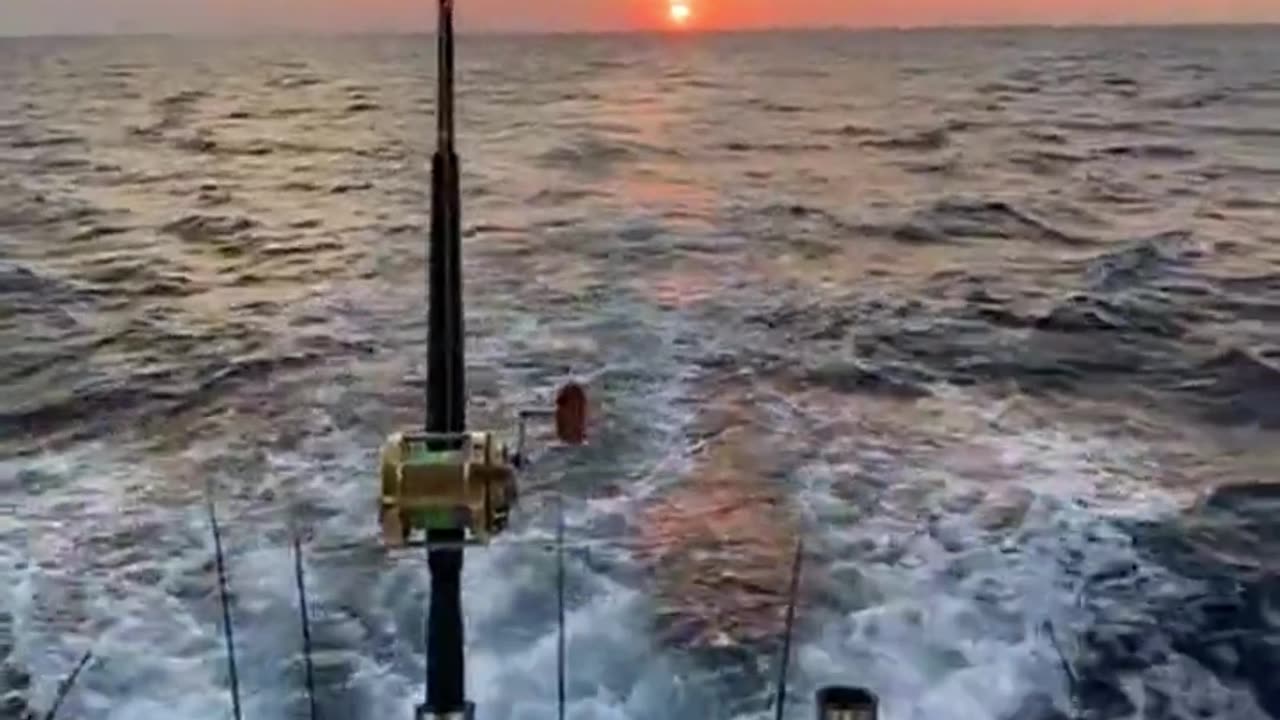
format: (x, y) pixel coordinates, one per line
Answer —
(988, 318)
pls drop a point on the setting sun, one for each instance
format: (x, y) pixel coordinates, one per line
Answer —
(680, 12)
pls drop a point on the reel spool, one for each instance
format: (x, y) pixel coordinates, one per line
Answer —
(462, 481)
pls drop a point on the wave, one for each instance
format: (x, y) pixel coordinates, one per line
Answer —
(184, 97)
(1010, 88)
(289, 82)
(207, 228)
(796, 212)
(1206, 624)
(1104, 126)
(17, 279)
(851, 131)
(782, 108)
(107, 402)
(1151, 151)
(47, 141)
(1046, 162)
(1140, 261)
(922, 141)
(1262, 171)
(590, 154)
(560, 195)
(128, 276)
(1240, 131)
(1194, 99)
(14, 680)
(1045, 136)
(948, 166)
(37, 312)
(1112, 343)
(1251, 203)
(1238, 387)
(955, 218)
(852, 376)
(1089, 313)
(738, 146)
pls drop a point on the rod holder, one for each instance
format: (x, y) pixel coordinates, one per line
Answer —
(839, 702)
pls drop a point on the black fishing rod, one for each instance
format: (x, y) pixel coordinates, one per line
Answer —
(224, 601)
(445, 486)
(446, 356)
(446, 388)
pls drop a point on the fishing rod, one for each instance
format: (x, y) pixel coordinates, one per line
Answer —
(305, 618)
(224, 600)
(451, 486)
(64, 687)
(780, 701)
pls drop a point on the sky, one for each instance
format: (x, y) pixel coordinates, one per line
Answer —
(22, 17)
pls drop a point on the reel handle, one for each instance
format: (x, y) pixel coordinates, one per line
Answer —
(569, 416)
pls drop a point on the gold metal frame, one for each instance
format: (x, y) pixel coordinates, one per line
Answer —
(462, 481)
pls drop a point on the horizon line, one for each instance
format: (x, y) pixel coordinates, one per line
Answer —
(542, 32)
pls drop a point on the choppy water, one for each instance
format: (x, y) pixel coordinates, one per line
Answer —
(987, 316)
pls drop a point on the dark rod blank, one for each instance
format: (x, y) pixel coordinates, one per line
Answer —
(64, 688)
(780, 703)
(446, 381)
(224, 600)
(446, 386)
(305, 618)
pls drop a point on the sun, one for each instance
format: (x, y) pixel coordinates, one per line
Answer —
(680, 13)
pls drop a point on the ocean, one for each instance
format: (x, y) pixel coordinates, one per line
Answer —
(987, 317)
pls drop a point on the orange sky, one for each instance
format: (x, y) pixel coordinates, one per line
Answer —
(26, 16)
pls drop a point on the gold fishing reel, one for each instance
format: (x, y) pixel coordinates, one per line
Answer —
(462, 482)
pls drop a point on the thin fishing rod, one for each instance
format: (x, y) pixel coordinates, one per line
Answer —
(306, 625)
(224, 600)
(64, 688)
(780, 702)
(560, 640)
